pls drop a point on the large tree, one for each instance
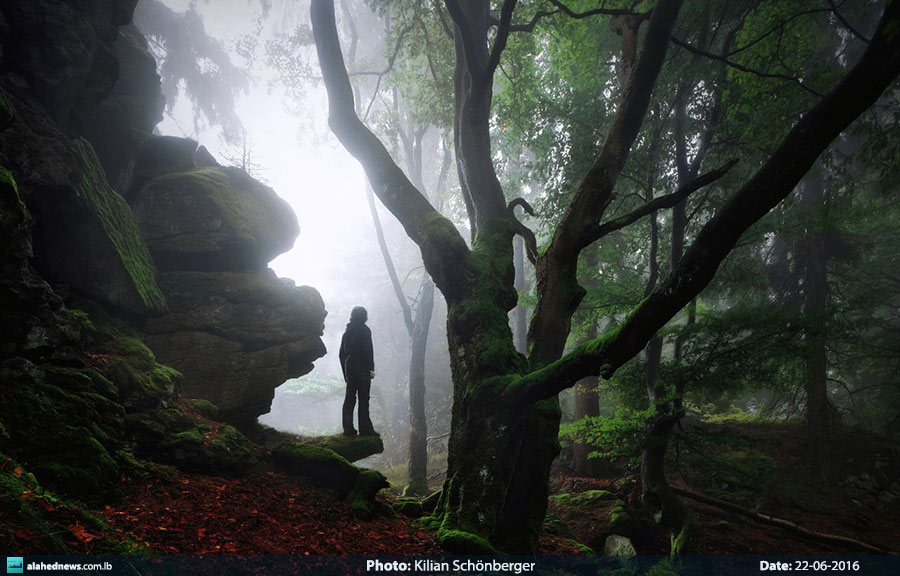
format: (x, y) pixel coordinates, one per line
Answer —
(505, 413)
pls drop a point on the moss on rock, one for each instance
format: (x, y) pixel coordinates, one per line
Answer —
(182, 437)
(462, 542)
(352, 448)
(324, 467)
(362, 497)
(63, 429)
(120, 356)
(409, 507)
(119, 224)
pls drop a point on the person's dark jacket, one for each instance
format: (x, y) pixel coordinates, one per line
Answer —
(356, 353)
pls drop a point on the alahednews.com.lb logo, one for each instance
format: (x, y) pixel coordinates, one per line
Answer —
(15, 564)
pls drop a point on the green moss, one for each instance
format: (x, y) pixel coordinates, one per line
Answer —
(23, 514)
(13, 212)
(620, 519)
(27, 507)
(409, 507)
(416, 487)
(122, 358)
(589, 499)
(430, 503)
(121, 228)
(217, 188)
(362, 497)
(685, 542)
(324, 467)
(231, 450)
(461, 542)
(352, 448)
(205, 408)
(63, 430)
(187, 438)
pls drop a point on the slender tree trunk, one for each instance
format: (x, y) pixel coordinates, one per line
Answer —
(418, 424)
(815, 296)
(520, 313)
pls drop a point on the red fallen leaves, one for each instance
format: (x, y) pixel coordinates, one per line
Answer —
(267, 514)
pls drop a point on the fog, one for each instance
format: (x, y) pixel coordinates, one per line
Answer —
(284, 141)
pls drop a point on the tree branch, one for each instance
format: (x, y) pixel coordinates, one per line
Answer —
(742, 68)
(389, 263)
(501, 38)
(529, 26)
(798, 151)
(598, 11)
(441, 245)
(660, 203)
(556, 270)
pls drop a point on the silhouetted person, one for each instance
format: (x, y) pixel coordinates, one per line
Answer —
(358, 365)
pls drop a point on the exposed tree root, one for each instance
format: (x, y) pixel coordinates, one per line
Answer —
(790, 526)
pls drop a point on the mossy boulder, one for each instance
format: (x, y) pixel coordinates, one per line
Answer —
(591, 516)
(328, 469)
(409, 507)
(157, 156)
(321, 465)
(362, 497)
(462, 542)
(236, 336)
(352, 448)
(62, 426)
(213, 218)
(116, 351)
(181, 436)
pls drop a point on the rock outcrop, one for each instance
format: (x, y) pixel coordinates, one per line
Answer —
(234, 329)
(92, 208)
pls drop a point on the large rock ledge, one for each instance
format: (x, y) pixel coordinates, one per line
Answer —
(237, 336)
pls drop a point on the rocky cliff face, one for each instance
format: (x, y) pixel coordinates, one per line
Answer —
(111, 240)
(233, 328)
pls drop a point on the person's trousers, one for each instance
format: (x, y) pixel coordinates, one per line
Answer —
(357, 385)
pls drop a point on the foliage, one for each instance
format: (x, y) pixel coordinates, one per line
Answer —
(194, 63)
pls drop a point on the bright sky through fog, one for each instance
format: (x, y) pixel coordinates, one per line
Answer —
(308, 168)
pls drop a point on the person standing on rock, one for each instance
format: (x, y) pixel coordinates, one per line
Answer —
(358, 366)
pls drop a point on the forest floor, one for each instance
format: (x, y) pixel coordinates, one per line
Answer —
(268, 513)
(762, 467)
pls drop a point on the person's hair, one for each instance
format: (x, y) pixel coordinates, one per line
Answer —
(358, 314)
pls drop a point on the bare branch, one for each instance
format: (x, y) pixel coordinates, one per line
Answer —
(742, 68)
(598, 12)
(529, 26)
(524, 231)
(501, 38)
(660, 203)
(389, 263)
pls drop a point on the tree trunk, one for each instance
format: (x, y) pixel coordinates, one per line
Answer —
(815, 295)
(519, 314)
(418, 424)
